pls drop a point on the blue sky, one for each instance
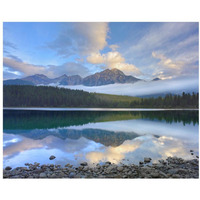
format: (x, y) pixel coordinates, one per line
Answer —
(144, 50)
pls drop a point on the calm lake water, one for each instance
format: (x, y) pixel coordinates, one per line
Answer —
(97, 136)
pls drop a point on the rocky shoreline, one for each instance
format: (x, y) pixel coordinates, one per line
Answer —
(172, 167)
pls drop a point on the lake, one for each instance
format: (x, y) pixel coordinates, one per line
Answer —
(97, 136)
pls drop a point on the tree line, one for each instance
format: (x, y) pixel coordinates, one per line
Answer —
(46, 96)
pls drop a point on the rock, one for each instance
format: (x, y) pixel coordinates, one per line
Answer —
(71, 175)
(108, 162)
(83, 164)
(120, 168)
(43, 175)
(176, 176)
(85, 168)
(173, 171)
(52, 157)
(147, 160)
(53, 176)
(163, 174)
(155, 175)
(8, 168)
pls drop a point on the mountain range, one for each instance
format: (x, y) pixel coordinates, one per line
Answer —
(101, 78)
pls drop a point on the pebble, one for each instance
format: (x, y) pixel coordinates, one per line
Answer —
(83, 164)
(52, 157)
(71, 175)
(120, 168)
(8, 168)
(147, 160)
(43, 175)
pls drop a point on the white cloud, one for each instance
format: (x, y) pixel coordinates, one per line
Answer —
(12, 66)
(27, 69)
(114, 47)
(167, 68)
(113, 60)
(95, 58)
(82, 38)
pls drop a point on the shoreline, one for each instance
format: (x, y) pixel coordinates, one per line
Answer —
(172, 167)
(97, 109)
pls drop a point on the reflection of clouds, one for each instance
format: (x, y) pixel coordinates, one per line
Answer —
(50, 142)
(145, 146)
(113, 154)
(76, 151)
(171, 147)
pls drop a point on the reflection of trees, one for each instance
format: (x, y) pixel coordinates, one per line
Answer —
(186, 117)
(107, 138)
(16, 119)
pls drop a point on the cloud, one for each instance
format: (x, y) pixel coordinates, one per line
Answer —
(161, 35)
(14, 57)
(95, 58)
(113, 60)
(25, 68)
(114, 47)
(168, 68)
(69, 68)
(80, 38)
(177, 41)
(142, 88)
(16, 67)
(9, 45)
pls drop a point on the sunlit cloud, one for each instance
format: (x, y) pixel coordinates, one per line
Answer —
(113, 60)
(167, 68)
(23, 67)
(114, 47)
(83, 38)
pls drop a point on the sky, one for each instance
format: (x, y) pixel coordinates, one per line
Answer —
(168, 50)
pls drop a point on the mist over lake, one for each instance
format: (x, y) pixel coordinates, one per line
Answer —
(142, 88)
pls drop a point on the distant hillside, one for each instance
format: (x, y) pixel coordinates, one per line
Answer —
(45, 96)
(17, 82)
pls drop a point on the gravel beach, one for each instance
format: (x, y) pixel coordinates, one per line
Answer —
(172, 167)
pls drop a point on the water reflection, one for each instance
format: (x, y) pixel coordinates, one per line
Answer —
(19, 119)
(82, 149)
(73, 137)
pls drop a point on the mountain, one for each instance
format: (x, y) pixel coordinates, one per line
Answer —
(101, 78)
(17, 82)
(71, 80)
(37, 79)
(108, 77)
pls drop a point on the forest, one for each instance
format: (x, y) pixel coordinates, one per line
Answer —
(46, 96)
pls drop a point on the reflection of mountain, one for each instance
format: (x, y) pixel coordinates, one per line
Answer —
(107, 138)
(19, 119)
